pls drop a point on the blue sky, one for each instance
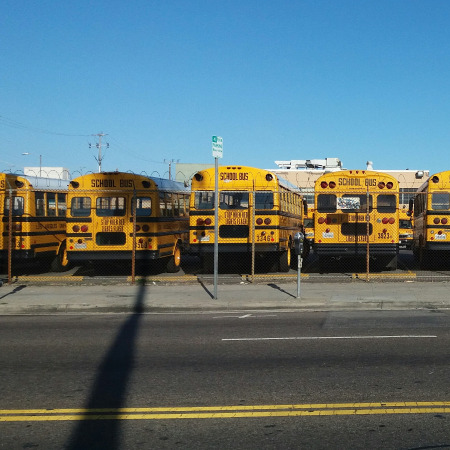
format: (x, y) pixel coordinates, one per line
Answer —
(358, 80)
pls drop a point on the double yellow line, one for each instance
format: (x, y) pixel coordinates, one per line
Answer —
(223, 412)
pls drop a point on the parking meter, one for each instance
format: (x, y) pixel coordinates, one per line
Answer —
(298, 242)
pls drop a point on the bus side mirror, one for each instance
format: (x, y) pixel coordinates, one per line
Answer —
(410, 207)
(298, 242)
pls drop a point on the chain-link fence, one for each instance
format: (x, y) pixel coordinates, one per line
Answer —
(111, 235)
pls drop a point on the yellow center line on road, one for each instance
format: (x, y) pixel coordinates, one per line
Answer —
(220, 412)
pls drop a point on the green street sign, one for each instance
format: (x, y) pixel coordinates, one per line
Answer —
(217, 147)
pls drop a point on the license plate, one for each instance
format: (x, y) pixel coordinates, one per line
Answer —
(440, 237)
(80, 246)
(328, 235)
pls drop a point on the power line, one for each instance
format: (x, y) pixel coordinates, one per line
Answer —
(18, 125)
(136, 155)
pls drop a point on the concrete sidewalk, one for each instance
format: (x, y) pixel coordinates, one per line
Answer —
(33, 299)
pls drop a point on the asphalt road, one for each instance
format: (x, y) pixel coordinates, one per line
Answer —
(268, 380)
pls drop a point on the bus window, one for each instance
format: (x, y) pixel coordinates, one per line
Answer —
(62, 205)
(17, 206)
(166, 204)
(233, 200)
(169, 204)
(386, 203)
(81, 207)
(326, 203)
(144, 206)
(40, 205)
(308, 222)
(182, 205)
(405, 223)
(440, 201)
(51, 204)
(263, 200)
(354, 203)
(110, 206)
(204, 200)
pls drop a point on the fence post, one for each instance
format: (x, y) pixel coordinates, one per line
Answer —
(253, 234)
(133, 251)
(367, 233)
(10, 237)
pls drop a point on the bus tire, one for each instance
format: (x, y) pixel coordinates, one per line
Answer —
(173, 265)
(60, 262)
(284, 261)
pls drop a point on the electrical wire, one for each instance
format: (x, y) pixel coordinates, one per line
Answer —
(18, 125)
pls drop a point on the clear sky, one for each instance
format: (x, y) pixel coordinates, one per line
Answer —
(278, 80)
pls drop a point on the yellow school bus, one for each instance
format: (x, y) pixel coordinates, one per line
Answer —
(257, 209)
(33, 220)
(115, 215)
(431, 232)
(405, 228)
(309, 226)
(357, 211)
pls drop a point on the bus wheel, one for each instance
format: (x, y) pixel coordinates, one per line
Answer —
(285, 261)
(60, 263)
(173, 265)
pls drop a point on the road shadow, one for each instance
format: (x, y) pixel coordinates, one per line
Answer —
(16, 289)
(110, 387)
(275, 286)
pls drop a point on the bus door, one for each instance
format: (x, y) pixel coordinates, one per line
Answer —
(111, 227)
(234, 216)
(353, 226)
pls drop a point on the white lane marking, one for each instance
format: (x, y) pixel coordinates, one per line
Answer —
(245, 316)
(316, 338)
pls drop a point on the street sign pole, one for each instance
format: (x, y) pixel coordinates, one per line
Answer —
(217, 152)
(216, 227)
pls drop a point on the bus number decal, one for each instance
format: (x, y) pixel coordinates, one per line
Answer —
(384, 236)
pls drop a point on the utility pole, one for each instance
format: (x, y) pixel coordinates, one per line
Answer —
(99, 146)
(170, 161)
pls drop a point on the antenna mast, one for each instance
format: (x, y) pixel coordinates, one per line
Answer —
(99, 145)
